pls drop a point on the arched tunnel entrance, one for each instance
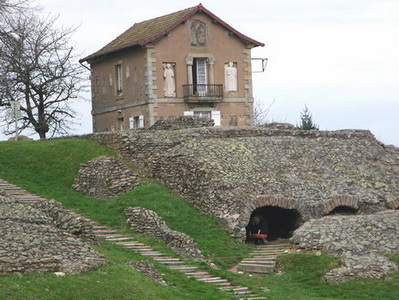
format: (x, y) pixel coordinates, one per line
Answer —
(281, 222)
(343, 210)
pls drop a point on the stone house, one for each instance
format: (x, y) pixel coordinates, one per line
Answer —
(189, 62)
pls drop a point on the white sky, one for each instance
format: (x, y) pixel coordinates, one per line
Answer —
(338, 57)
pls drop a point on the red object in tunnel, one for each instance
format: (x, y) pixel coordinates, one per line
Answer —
(258, 236)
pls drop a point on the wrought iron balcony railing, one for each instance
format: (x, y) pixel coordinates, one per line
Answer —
(203, 92)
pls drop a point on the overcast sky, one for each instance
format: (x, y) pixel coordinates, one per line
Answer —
(340, 58)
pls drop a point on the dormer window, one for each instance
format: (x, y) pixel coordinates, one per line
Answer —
(119, 80)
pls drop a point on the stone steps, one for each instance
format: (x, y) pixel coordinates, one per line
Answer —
(196, 274)
(129, 244)
(104, 231)
(263, 259)
(176, 264)
(113, 236)
(18, 193)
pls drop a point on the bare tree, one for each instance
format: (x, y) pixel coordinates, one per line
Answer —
(10, 5)
(260, 112)
(9, 8)
(38, 70)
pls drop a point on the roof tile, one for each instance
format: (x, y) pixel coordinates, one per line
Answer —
(150, 30)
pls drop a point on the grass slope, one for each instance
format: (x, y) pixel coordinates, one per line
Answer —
(48, 168)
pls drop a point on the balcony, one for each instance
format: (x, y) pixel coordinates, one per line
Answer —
(203, 92)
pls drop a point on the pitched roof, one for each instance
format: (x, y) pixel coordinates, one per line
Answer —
(148, 31)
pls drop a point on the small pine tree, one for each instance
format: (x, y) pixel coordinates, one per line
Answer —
(306, 121)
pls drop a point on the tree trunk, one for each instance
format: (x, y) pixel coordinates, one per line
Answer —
(42, 135)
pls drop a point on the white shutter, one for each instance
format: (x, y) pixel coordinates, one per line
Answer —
(131, 122)
(188, 113)
(141, 121)
(215, 116)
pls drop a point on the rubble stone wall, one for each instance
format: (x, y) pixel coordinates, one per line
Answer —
(68, 220)
(105, 177)
(228, 172)
(360, 240)
(182, 122)
(146, 221)
(30, 242)
(148, 270)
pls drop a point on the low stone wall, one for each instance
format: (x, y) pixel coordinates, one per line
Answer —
(68, 220)
(147, 269)
(30, 242)
(182, 122)
(148, 222)
(105, 177)
(360, 241)
(20, 138)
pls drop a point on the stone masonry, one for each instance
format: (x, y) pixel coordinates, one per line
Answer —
(148, 270)
(146, 221)
(229, 172)
(105, 177)
(67, 220)
(359, 240)
(181, 123)
(31, 242)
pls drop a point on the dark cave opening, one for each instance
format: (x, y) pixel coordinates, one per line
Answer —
(343, 210)
(281, 222)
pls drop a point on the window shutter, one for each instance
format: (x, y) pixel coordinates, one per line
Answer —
(131, 122)
(215, 115)
(188, 113)
(141, 121)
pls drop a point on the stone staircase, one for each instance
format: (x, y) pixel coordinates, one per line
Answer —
(172, 263)
(263, 259)
(18, 193)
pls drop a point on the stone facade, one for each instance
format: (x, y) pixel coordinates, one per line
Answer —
(31, 242)
(148, 222)
(105, 177)
(359, 240)
(146, 75)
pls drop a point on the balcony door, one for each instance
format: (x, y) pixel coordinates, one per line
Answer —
(200, 76)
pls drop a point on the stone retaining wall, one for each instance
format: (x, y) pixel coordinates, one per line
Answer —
(68, 220)
(148, 270)
(30, 242)
(225, 171)
(105, 177)
(359, 240)
(182, 122)
(148, 222)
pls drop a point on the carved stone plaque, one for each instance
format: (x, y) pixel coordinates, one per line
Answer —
(198, 33)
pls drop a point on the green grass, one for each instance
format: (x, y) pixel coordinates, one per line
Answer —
(114, 281)
(48, 168)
